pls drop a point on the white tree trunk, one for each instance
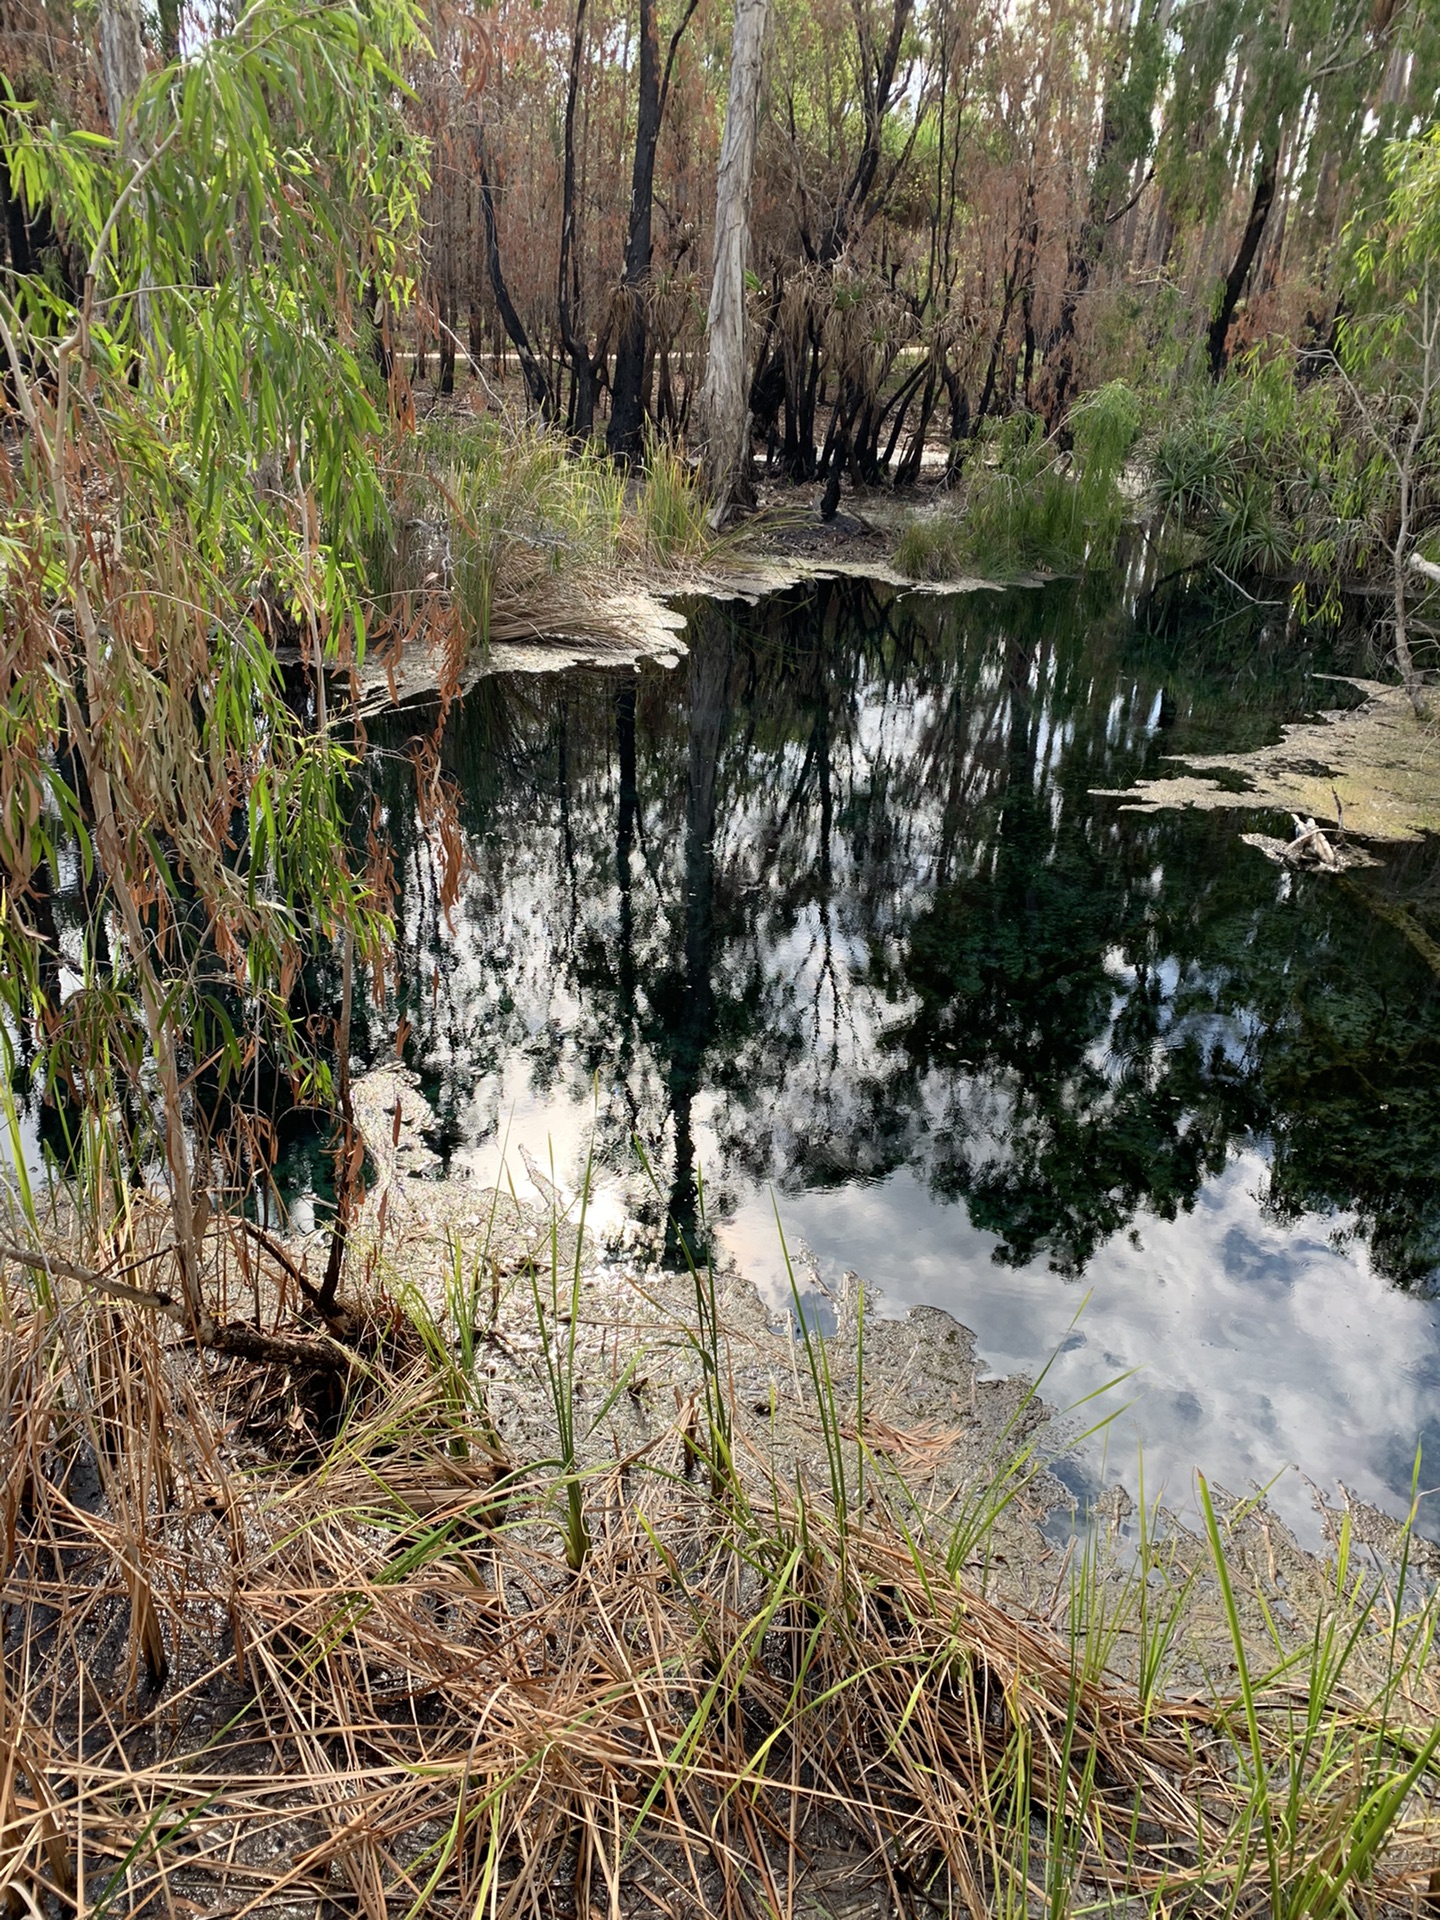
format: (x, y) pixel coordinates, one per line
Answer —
(724, 397)
(122, 56)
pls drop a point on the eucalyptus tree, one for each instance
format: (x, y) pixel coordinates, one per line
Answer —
(1134, 59)
(1270, 104)
(194, 465)
(724, 399)
(1389, 358)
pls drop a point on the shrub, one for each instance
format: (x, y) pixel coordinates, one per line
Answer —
(1031, 507)
(1262, 475)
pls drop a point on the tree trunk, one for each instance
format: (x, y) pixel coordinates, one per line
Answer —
(908, 472)
(1404, 659)
(536, 383)
(1404, 556)
(1260, 204)
(878, 74)
(581, 410)
(1083, 256)
(724, 398)
(445, 298)
(380, 345)
(627, 399)
(122, 72)
(122, 57)
(168, 13)
(17, 233)
(960, 423)
(691, 1036)
(627, 391)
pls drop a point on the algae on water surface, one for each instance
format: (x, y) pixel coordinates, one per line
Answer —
(1381, 762)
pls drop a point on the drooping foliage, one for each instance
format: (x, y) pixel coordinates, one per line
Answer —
(193, 468)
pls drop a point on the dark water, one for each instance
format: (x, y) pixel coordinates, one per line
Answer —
(831, 912)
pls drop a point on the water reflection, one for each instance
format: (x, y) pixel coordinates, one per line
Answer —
(833, 906)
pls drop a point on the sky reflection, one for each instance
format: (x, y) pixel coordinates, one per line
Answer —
(834, 910)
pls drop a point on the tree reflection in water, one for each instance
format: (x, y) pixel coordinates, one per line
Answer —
(839, 888)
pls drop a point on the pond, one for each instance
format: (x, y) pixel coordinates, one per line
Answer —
(830, 918)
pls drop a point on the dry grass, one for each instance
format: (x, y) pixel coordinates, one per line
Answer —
(270, 1650)
(526, 536)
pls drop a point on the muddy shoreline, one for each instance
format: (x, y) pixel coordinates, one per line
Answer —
(912, 1385)
(639, 620)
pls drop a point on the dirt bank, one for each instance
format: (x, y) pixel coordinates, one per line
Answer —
(562, 1603)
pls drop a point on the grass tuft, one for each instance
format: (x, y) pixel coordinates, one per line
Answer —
(265, 1651)
(528, 535)
(1029, 506)
(671, 508)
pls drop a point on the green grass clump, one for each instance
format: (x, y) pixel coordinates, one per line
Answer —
(527, 533)
(1261, 476)
(933, 548)
(671, 508)
(531, 523)
(1028, 506)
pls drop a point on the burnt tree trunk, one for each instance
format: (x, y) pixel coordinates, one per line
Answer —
(878, 74)
(1261, 202)
(583, 370)
(864, 193)
(17, 234)
(627, 398)
(446, 304)
(627, 390)
(908, 472)
(380, 343)
(537, 385)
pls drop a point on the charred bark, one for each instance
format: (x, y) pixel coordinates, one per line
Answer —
(1261, 202)
(584, 370)
(447, 338)
(17, 231)
(537, 384)
(878, 76)
(627, 391)
(380, 345)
